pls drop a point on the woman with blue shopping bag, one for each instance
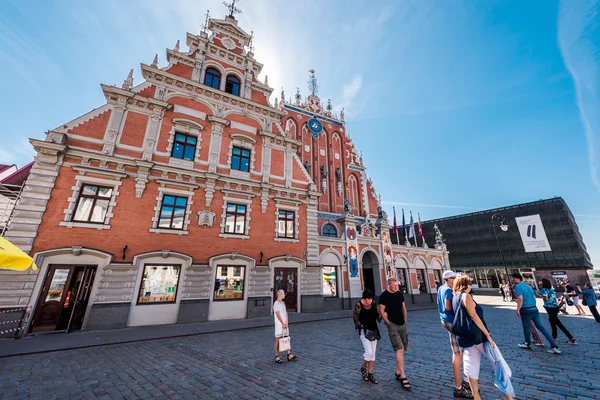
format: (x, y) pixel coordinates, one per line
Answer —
(473, 336)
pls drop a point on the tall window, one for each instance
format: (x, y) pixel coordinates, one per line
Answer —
(212, 78)
(421, 281)
(92, 204)
(172, 212)
(285, 224)
(240, 159)
(184, 147)
(329, 230)
(232, 85)
(235, 219)
(329, 281)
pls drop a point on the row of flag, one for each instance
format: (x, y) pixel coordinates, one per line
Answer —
(411, 229)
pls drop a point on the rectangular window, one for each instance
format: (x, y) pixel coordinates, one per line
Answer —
(285, 224)
(172, 212)
(184, 147)
(235, 219)
(330, 280)
(159, 284)
(240, 159)
(421, 281)
(401, 276)
(92, 204)
(229, 283)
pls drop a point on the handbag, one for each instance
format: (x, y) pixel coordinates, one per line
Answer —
(569, 300)
(372, 335)
(464, 327)
(584, 302)
(285, 343)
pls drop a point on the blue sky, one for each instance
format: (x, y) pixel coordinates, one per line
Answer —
(456, 106)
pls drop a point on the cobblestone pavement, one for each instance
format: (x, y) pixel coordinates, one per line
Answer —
(240, 364)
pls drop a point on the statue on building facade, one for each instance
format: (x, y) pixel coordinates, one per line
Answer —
(323, 172)
(347, 206)
(307, 166)
(338, 175)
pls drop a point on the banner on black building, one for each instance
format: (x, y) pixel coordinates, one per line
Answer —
(532, 233)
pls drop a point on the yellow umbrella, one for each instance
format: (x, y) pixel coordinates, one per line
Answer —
(11, 257)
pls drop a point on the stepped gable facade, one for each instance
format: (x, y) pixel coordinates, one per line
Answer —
(190, 197)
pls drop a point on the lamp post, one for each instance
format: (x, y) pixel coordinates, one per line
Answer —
(504, 227)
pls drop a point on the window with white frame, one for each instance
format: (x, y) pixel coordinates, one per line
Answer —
(172, 211)
(240, 159)
(184, 147)
(93, 200)
(235, 219)
(286, 222)
(330, 281)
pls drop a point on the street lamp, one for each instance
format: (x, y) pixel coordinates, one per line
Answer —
(504, 227)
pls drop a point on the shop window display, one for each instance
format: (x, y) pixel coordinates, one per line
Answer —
(229, 283)
(159, 284)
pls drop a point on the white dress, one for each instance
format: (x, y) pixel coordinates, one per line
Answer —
(279, 306)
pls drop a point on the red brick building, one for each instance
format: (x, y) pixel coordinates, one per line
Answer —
(190, 197)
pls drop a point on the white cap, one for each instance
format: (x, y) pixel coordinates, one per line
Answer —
(449, 274)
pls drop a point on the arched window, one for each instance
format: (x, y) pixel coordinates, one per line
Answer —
(232, 85)
(329, 230)
(212, 78)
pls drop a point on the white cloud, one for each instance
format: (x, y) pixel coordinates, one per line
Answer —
(577, 23)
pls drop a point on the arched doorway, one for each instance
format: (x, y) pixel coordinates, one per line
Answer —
(370, 272)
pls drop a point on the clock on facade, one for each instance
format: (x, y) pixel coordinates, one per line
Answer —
(315, 126)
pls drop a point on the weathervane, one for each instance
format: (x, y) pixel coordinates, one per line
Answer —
(204, 28)
(232, 8)
(313, 87)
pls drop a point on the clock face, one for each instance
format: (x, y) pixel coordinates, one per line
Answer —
(315, 126)
(228, 43)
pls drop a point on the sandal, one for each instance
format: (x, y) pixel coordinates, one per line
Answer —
(371, 378)
(572, 341)
(403, 381)
(278, 360)
(292, 357)
(363, 372)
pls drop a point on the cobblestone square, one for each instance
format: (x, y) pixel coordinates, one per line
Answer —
(239, 365)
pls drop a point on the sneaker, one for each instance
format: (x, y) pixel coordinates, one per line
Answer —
(572, 341)
(462, 393)
(525, 345)
(554, 350)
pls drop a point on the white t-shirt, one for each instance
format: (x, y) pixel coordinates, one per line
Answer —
(279, 306)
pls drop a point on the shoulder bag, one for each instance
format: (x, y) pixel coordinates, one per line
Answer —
(464, 327)
(285, 343)
(372, 335)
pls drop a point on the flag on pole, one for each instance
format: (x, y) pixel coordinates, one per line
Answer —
(396, 227)
(411, 232)
(420, 227)
(404, 225)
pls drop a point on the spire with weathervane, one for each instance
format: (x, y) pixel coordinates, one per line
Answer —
(313, 86)
(232, 8)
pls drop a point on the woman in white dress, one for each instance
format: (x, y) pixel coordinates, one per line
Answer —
(281, 325)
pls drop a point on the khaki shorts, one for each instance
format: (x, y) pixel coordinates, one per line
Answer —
(456, 349)
(398, 336)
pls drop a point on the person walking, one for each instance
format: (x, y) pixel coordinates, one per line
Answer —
(527, 310)
(444, 298)
(573, 294)
(393, 311)
(502, 292)
(551, 306)
(589, 299)
(473, 348)
(365, 321)
(507, 292)
(281, 325)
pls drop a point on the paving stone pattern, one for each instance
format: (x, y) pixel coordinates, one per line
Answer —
(239, 365)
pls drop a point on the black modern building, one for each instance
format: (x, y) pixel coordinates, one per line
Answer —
(474, 249)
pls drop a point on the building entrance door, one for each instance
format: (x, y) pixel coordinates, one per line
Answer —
(64, 298)
(368, 279)
(287, 279)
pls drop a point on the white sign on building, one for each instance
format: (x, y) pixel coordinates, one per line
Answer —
(532, 233)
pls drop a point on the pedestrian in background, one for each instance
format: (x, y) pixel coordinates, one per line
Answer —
(473, 348)
(445, 296)
(365, 321)
(393, 312)
(589, 299)
(574, 296)
(281, 325)
(551, 306)
(527, 310)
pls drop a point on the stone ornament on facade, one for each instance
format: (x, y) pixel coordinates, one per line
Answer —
(206, 217)
(228, 43)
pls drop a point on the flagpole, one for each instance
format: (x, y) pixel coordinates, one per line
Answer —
(396, 227)
(412, 226)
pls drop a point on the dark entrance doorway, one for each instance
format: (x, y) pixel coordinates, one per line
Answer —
(64, 298)
(370, 272)
(287, 279)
